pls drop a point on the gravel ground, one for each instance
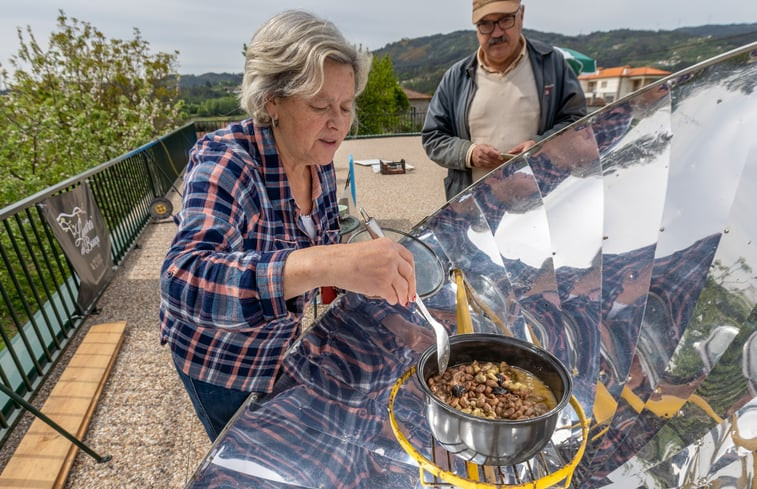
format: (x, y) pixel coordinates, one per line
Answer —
(144, 419)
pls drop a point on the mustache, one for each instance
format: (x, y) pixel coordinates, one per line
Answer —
(496, 40)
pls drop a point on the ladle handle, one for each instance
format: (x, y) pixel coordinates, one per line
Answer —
(371, 225)
(442, 338)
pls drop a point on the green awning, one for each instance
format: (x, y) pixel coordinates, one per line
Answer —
(581, 63)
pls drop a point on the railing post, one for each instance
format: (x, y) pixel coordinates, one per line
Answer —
(22, 402)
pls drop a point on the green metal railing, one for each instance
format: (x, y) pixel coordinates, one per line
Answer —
(38, 286)
(410, 122)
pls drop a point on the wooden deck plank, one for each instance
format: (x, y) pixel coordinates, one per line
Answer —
(44, 457)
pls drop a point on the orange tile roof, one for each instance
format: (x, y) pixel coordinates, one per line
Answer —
(624, 71)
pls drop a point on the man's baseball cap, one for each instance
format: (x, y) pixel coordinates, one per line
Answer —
(482, 8)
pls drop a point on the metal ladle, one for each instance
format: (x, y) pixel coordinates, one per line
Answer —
(442, 338)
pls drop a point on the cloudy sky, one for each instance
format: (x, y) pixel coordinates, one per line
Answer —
(209, 35)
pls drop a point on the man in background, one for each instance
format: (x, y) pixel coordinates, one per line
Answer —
(500, 100)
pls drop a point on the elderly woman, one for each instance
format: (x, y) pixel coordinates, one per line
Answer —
(258, 232)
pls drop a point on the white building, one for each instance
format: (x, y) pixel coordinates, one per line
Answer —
(609, 84)
(418, 101)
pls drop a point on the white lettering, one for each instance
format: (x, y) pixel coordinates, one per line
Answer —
(81, 228)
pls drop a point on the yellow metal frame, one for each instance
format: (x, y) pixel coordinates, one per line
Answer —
(550, 480)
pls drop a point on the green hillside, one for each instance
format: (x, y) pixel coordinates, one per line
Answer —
(420, 62)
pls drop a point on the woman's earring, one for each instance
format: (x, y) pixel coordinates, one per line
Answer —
(275, 122)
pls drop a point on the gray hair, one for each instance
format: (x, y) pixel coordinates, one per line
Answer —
(286, 57)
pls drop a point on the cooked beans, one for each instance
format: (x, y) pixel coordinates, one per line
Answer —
(493, 390)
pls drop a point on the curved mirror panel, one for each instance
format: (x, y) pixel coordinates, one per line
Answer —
(624, 245)
(697, 207)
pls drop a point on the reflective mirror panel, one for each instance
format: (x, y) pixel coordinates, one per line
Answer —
(625, 245)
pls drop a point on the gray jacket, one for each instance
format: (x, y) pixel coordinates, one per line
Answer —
(446, 134)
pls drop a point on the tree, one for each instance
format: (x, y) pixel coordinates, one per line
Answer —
(382, 100)
(220, 106)
(82, 101)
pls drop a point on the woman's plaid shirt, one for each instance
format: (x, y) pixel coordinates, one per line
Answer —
(222, 307)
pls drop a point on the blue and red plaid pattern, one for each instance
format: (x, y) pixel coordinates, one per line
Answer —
(222, 310)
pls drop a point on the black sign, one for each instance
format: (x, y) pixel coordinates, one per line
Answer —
(78, 225)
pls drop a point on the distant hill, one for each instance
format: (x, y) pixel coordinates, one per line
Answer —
(420, 62)
(210, 94)
(210, 79)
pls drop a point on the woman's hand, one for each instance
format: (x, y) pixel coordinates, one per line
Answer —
(376, 268)
(382, 268)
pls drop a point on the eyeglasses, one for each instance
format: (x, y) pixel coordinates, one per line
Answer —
(504, 23)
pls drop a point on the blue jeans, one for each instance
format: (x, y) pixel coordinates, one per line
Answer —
(215, 405)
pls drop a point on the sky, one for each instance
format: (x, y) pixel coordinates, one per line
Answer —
(209, 35)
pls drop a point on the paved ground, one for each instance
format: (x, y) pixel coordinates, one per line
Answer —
(144, 419)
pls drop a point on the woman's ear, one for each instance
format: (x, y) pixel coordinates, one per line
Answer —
(271, 107)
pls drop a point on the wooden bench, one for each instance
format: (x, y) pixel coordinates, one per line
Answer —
(44, 457)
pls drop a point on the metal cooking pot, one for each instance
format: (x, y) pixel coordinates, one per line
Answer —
(494, 441)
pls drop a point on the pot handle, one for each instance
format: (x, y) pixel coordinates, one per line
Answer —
(464, 322)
